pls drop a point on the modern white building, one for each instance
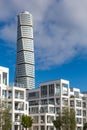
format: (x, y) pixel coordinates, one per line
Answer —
(25, 51)
(44, 103)
(14, 97)
(47, 101)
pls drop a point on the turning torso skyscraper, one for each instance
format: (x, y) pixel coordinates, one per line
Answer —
(25, 51)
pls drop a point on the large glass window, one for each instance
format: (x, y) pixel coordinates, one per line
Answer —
(76, 94)
(9, 94)
(50, 128)
(57, 110)
(35, 119)
(33, 95)
(79, 120)
(84, 112)
(78, 112)
(78, 103)
(51, 101)
(4, 93)
(84, 104)
(35, 127)
(34, 110)
(44, 91)
(51, 109)
(4, 78)
(65, 89)
(10, 105)
(42, 127)
(58, 89)
(50, 119)
(42, 119)
(44, 102)
(17, 117)
(72, 103)
(19, 106)
(44, 109)
(51, 89)
(35, 102)
(65, 101)
(57, 101)
(19, 94)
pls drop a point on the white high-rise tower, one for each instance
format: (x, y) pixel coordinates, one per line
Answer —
(25, 67)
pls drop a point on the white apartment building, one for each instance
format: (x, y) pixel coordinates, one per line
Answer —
(15, 97)
(50, 98)
(45, 102)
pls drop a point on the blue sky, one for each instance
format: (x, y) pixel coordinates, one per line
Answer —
(60, 38)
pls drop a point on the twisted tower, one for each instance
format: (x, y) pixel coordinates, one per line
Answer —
(25, 67)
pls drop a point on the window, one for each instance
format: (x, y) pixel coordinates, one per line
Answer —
(4, 78)
(35, 118)
(44, 101)
(4, 93)
(57, 101)
(33, 95)
(79, 120)
(76, 94)
(57, 110)
(51, 101)
(84, 104)
(34, 110)
(78, 112)
(84, 112)
(50, 119)
(72, 103)
(51, 109)
(43, 109)
(65, 89)
(9, 94)
(32, 103)
(78, 103)
(44, 91)
(51, 89)
(26, 106)
(58, 89)
(42, 119)
(65, 101)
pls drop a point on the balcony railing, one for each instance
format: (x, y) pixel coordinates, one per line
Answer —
(19, 108)
(17, 120)
(19, 97)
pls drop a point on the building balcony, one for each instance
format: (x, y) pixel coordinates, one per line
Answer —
(9, 97)
(17, 120)
(42, 121)
(22, 109)
(19, 97)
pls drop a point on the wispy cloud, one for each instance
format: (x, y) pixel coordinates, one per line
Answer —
(60, 28)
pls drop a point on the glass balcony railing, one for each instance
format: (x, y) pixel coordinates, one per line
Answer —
(17, 120)
(19, 108)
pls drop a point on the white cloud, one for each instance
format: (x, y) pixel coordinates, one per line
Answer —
(60, 28)
(8, 34)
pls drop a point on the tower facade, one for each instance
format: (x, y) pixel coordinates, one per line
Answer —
(25, 67)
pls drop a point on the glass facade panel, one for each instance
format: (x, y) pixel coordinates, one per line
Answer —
(44, 91)
(51, 90)
(4, 78)
(51, 101)
(58, 89)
